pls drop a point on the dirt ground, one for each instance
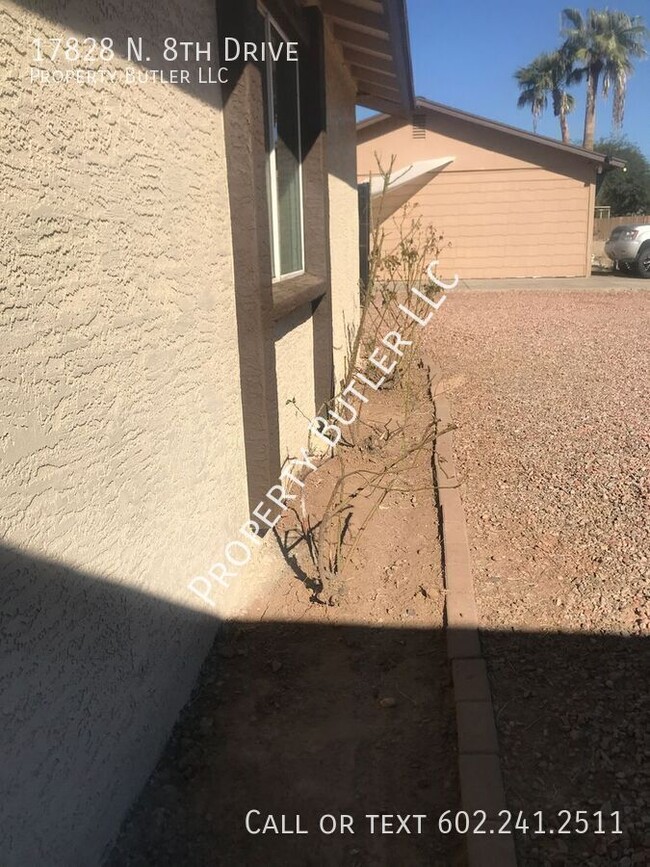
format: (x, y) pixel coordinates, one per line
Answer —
(549, 389)
(333, 697)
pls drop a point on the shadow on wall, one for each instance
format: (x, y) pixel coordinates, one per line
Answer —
(120, 20)
(287, 718)
(92, 677)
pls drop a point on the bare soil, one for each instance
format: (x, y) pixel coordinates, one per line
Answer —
(333, 697)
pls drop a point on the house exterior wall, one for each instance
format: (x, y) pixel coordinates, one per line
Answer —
(343, 206)
(245, 125)
(296, 349)
(294, 353)
(126, 452)
(509, 207)
(122, 448)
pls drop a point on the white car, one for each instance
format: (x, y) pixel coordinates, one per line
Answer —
(629, 248)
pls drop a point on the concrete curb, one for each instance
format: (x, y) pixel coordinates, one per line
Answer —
(481, 783)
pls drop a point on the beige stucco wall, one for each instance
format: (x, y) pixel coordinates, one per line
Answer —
(121, 432)
(510, 208)
(343, 202)
(294, 344)
(294, 366)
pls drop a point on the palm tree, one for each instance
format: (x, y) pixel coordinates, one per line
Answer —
(601, 47)
(533, 84)
(547, 74)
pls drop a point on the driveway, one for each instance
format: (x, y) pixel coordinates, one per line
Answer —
(549, 388)
(608, 282)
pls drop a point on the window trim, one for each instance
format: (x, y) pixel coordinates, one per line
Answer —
(273, 204)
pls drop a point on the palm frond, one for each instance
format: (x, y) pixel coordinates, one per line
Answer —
(573, 18)
(601, 47)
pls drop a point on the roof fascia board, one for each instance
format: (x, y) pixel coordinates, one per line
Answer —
(397, 17)
(497, 126)
(434, 107)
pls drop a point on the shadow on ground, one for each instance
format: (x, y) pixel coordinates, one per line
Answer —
(288, 719)
(299, 719)
(292, 718)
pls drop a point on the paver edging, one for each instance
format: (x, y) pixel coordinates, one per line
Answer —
(481, 780)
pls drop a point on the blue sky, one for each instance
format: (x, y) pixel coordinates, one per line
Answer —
(465, 52)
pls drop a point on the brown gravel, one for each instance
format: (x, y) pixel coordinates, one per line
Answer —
(549, 392)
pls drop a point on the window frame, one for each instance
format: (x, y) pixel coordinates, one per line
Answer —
(272, 197)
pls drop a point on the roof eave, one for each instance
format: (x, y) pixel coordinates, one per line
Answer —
(375, 46)
(608, 163)
(613, 163)
(576, 150)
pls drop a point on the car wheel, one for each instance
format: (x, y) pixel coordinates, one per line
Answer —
(625, 267)
(643, 262)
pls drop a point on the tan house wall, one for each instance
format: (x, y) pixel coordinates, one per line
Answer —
(343, 206)
(294, 352)
(124, 470)
(122, 456)
(294, 345)
(509, 207)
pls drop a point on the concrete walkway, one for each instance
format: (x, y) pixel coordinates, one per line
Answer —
(612, 282)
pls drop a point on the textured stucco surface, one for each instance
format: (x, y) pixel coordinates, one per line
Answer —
(294, 351)
(343, 203)
(510, 208)
(121, 436)
(120, 421)
(294, 344)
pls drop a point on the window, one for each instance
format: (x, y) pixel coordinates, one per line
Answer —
(284, 158)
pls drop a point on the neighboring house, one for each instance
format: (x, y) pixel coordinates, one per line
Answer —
(179, 279)
(512, 204)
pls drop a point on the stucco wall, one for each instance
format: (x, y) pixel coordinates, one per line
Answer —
(509, 207)
(121, 432)
(294, 344)
(294, 366)
(343, 204)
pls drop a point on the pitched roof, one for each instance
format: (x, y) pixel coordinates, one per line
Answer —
(436, 108)
(373, 35)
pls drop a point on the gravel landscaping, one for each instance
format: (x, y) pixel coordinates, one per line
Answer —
(549, 391)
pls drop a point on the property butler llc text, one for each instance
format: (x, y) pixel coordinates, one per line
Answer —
(174, 51)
